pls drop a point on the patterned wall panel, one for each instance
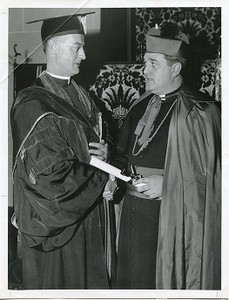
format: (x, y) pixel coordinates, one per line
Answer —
(201, 24)
(118, 86)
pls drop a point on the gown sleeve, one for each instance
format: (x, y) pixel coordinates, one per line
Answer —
(55, 191)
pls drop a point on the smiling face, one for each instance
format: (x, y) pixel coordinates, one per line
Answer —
(67, 54)
(161, 78)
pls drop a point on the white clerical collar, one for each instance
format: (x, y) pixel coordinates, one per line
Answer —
(163, 97)
(68, 78)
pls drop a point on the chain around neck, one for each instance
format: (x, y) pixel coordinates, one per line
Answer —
(145, 144)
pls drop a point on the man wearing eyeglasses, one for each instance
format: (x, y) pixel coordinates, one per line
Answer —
(57, 194)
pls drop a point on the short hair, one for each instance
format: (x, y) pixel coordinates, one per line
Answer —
(44, 45)
(176, 59)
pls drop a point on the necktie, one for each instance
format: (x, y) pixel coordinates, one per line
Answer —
(146, 123)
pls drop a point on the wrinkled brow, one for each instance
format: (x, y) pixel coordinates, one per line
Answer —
(152, 60)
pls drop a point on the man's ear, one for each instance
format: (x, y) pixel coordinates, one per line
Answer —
(176, 69)
(52, 46)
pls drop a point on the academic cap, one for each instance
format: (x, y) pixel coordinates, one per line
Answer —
(168, 39)
(61, 25)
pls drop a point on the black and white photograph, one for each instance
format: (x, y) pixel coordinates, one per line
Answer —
(115, 164)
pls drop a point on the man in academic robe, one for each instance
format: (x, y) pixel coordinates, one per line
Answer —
(58, 202)
(169, 234)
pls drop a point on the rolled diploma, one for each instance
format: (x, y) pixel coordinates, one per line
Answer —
(108, 168)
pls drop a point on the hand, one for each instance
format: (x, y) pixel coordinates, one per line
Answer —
(99, 150)
(110, 188)
(150, 186)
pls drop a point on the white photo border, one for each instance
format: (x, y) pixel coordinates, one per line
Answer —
(4, 123)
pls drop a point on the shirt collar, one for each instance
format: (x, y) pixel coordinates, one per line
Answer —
(65, 78)
(169, 95)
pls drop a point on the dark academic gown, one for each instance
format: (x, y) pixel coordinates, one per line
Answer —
(175, 243)
(57, 194)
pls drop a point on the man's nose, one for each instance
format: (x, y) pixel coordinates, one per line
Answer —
(145, 70)
(82, 53)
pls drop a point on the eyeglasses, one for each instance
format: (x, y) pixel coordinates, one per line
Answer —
(75, 47)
